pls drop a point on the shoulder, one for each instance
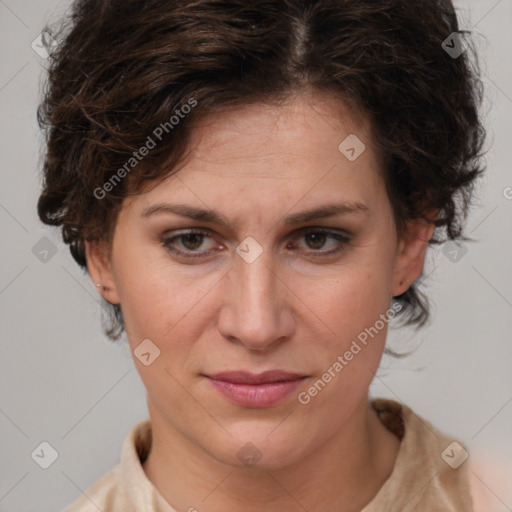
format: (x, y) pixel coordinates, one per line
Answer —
(430, 470)
(124, 487)
(481, 477)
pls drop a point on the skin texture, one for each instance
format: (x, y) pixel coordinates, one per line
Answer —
(288, 309)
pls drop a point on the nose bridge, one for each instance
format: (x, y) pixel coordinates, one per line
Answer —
(257, 315)
(257, 286)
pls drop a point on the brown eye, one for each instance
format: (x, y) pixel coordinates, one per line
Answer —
(188, 244)
(317, 238)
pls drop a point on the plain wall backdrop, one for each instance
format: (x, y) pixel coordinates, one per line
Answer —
(62, 381)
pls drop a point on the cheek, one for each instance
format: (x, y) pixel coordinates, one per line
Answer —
(352, 306)
(353, 300)
(159, 300)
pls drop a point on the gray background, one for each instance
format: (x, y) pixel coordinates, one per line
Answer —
(63, 382)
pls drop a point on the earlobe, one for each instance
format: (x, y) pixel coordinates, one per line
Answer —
(100, 269)
(411, 254)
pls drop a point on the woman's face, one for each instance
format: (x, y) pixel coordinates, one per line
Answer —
(263, 290)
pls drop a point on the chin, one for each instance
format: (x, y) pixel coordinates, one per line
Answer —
(261, 448)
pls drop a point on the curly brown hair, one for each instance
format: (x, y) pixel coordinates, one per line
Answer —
(124, 68)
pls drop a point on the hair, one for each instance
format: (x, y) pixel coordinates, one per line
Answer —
(123, 69)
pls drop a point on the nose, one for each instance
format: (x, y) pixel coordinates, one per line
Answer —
(257, 310)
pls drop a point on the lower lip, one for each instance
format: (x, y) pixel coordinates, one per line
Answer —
(256, 395)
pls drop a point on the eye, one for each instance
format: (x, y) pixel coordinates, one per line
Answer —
(188, 242)
(317, 238)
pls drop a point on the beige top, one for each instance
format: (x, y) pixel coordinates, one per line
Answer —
(430, 472)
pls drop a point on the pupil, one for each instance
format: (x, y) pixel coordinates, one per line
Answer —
(197, 237)
(320, 239)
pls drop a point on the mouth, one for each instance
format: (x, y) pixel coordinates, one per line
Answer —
(268, 377)
(256, 391)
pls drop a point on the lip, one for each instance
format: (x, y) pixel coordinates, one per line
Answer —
(243, 377)
(256, 390)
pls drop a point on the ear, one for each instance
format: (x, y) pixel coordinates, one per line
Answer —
(99, 265)
(410, 257)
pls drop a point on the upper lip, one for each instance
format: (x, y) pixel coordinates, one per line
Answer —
(243, 377)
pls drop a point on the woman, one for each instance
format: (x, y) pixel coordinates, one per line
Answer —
(253, 188)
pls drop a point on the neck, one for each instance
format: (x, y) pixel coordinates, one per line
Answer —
(344, 473)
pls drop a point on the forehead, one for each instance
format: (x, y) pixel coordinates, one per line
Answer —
(294, 127)
(305, 146)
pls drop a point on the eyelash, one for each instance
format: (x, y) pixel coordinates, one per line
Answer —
(167, 242)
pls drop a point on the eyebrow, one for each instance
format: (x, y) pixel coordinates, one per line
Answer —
(207, 215)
